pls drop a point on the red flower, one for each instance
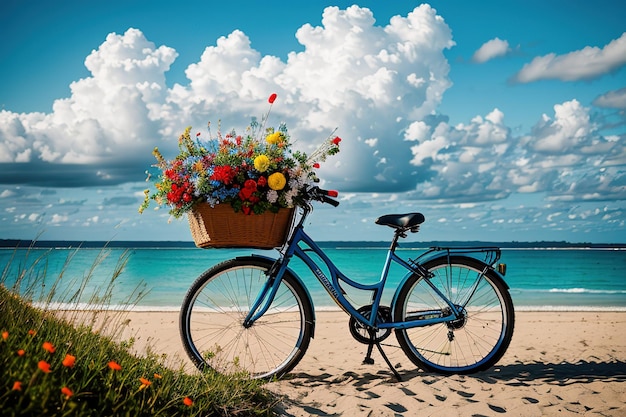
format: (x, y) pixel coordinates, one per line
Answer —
(188, 401)
(224, 174)
(20, 352)
(17, 386)
(249, 187)
(67, 392)
(316, 165)
(69, 361)
(115, 366)
(5, 335)
(336, 140)
(272, 98)
(262, 181)
(44, 366)
(144, 383)
(170, 174)
(49, 347)
(251, 184)
(245, 194)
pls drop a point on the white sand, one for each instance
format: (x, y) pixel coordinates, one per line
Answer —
(558, 364)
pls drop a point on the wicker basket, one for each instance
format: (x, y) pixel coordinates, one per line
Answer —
(221, 227)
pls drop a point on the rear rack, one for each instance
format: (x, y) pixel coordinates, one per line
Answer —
(487, 254)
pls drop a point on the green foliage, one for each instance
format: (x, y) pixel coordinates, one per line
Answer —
(50, 367)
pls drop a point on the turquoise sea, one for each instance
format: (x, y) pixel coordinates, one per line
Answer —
(539, 279)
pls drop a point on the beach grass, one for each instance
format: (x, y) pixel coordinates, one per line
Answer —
(50, 366)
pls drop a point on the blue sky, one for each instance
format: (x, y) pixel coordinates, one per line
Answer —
(497, 120)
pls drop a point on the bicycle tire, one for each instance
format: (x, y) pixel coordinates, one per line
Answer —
(472, 344)
(212, 314)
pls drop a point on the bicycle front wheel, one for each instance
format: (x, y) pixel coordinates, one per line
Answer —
(473, 342)
(213, 311)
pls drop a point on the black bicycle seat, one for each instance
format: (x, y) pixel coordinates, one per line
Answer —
(398, 221)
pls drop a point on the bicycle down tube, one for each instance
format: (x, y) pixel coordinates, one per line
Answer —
(266, 295)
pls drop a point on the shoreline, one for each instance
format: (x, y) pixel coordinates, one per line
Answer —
(333, 309)
(558, 363)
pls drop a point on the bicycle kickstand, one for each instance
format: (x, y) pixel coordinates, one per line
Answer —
(370, 361)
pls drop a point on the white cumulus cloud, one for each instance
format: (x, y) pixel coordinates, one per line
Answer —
(491, 49)
(381, 85)
(613, 99)
(368, 80)
(587, 63)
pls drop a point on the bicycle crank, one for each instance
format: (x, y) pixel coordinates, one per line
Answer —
(362, 333)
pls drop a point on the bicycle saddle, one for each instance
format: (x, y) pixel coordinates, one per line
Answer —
(401, 221)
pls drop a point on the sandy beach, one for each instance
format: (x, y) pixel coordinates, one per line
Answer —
(558, 364)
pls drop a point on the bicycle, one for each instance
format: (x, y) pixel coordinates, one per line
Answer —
(451, 313)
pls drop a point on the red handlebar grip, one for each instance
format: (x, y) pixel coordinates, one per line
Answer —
(333, 193)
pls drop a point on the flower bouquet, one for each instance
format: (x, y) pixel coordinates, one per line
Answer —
(242, 181)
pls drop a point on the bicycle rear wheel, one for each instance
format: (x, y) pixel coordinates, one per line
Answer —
(213, 311)
(471, 343)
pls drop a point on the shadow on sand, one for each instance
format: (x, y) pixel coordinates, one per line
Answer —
(517, 374)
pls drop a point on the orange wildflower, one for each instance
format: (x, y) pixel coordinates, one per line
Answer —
(188, 401)
(157, 376)
(17, 386)
(115, 366)
(44, 366)
(20, 352)
(5, 335)
(47, 346)
(144, 383)
(67, 392)
(69, 360)
(31, 332)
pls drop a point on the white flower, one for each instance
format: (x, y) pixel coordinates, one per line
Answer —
(272, 196)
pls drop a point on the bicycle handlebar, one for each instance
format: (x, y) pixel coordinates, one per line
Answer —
(324, 196)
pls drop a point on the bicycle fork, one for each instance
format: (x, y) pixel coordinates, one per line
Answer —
(266, 295)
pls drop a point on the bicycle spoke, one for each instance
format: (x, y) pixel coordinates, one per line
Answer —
(471, 341)
(213, 315)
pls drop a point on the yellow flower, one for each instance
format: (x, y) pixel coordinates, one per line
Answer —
(157, 154)
(273, 138)
(198, 166)
(277, 181)
(261, 163)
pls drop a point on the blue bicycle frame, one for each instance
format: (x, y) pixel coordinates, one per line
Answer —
(332, 285)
